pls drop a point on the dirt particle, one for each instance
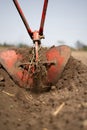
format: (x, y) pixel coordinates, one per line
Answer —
(2, 78)
(53, 87)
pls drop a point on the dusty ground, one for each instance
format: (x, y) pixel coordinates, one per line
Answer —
(80, 55)
(64, 107)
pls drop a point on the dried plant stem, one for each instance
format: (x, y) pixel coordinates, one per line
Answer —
(55, 113)
(9, 94)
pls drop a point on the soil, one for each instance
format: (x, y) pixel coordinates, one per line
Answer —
(64, 106)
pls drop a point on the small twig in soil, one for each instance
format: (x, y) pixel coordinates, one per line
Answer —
(55, 113)
(9, 94)
(28, 97)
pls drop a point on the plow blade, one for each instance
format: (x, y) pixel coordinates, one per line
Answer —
(10, 60)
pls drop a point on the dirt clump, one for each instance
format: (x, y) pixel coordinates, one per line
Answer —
(75, 74)
(64, 106)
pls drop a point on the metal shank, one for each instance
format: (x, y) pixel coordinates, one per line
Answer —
(43, 17)
(25, 21)
(23, 17)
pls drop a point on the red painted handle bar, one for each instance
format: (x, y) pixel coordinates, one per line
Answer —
(30, 32)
